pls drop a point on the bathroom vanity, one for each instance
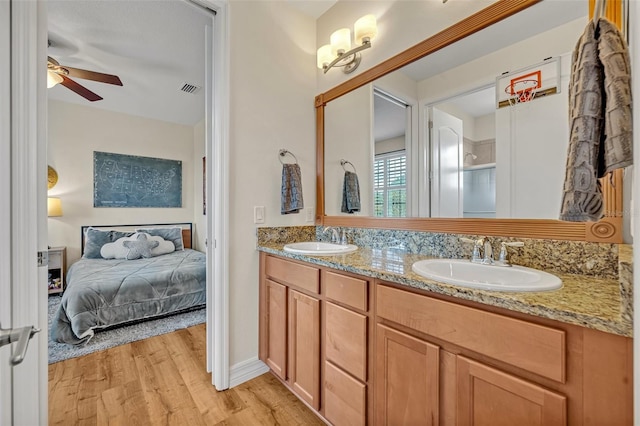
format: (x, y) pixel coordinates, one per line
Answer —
(363, 340)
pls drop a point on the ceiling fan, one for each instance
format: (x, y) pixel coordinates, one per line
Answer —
(61, 74)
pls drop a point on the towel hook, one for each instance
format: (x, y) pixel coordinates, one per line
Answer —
(599, 9)
(343, 162)
(284, 152)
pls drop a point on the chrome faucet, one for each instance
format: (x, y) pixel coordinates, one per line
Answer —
(503, 257)
(335, 238)
(488, 252)
(482, 250)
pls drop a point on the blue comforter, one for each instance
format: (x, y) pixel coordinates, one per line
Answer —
(102, 293)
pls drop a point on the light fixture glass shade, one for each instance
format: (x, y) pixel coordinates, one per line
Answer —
(365, 28)
(53, 79)
(325, 55)
(54, 207)
(340, 41)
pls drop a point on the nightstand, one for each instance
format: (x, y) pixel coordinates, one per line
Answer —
(57, 268)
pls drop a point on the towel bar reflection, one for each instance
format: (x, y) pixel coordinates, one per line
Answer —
(284, 152)
(343, 162)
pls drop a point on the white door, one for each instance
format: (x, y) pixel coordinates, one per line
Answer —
(447, 158)
(23, 290)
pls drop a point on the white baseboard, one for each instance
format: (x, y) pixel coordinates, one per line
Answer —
(245, 371)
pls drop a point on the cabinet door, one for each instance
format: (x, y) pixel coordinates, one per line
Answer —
(276, 350)
(487, 396)
(346, 340)
(407, 379)
(304, 347)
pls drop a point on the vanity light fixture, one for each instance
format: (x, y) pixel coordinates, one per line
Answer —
(339, 52)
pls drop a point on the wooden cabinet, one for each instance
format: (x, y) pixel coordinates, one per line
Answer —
(487, 396)
(457, 364)
(290, 325)
(364, 352)
(304, 347)
(276, 328)
(315, 336)
(56, 269)
(407, 381)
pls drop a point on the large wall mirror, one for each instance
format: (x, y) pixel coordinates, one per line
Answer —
(438, 142)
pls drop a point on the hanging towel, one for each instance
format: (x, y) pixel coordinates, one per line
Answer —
(350, 193)
(600, 119)
(291, 192)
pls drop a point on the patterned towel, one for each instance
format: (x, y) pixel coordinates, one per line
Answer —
(350, 193)
(291, 192)
(600, 118)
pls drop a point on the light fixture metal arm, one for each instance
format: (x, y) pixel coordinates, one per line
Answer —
(353, 52)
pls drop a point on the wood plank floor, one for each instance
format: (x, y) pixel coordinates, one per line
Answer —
(163, 381)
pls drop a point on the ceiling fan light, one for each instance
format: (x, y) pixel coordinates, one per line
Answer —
(53, 79)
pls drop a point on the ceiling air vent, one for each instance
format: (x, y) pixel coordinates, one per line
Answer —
(190, 88)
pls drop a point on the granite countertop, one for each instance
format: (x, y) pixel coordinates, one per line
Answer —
(583, 300)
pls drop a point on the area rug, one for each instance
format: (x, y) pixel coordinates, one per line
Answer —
(119, 336)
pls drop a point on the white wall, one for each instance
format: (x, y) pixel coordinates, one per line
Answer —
(272, 90)
(75, 132)
(485, 127)
(401, 24)
(348, 135)
(530, 161)
(390, 145)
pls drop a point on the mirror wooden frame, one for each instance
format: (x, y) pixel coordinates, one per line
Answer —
(607, 230)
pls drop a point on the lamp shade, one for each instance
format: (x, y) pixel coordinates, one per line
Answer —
(54, 207)
(325, 56)
(340, 41)
(53, 79)
(365, 28)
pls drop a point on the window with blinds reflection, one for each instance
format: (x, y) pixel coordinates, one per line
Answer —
(390, 185)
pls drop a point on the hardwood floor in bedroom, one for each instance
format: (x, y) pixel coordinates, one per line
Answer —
(163, 381)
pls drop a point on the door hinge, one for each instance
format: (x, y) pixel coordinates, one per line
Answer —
(43, 258)
(430, 124)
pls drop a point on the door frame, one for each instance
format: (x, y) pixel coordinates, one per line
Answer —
(217, 185)
(23, 282)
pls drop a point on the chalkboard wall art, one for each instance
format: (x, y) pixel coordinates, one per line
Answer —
(131, 181)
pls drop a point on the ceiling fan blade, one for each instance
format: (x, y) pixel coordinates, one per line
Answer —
(92, 75)
(79, 89)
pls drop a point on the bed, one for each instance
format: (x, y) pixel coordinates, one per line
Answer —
(124, 276)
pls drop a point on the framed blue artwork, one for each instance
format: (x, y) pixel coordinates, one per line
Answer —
(131, 181)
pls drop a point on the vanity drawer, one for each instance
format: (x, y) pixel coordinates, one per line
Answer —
(291, 273)
(345, 398)
(346, 339)
(344, 289)
(532, 347)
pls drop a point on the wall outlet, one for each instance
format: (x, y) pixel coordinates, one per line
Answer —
(311, 214)
(258, 214)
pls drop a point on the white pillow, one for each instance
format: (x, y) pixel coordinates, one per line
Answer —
(117, 250)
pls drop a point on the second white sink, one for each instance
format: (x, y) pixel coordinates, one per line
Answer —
(486, 277)
(319, 248)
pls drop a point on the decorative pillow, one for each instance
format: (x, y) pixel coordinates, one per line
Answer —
(94, 239)
(120, 250)
(140, 247)
(173, 234)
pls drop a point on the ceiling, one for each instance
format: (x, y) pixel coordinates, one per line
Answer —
(153, 46)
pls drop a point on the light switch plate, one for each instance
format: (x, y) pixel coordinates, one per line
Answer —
(311, 213)
(258, 214)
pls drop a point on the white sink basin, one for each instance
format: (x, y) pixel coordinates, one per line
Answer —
(486, 277)
(319, 248)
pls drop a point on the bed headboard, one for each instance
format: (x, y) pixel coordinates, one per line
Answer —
(187, 230)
